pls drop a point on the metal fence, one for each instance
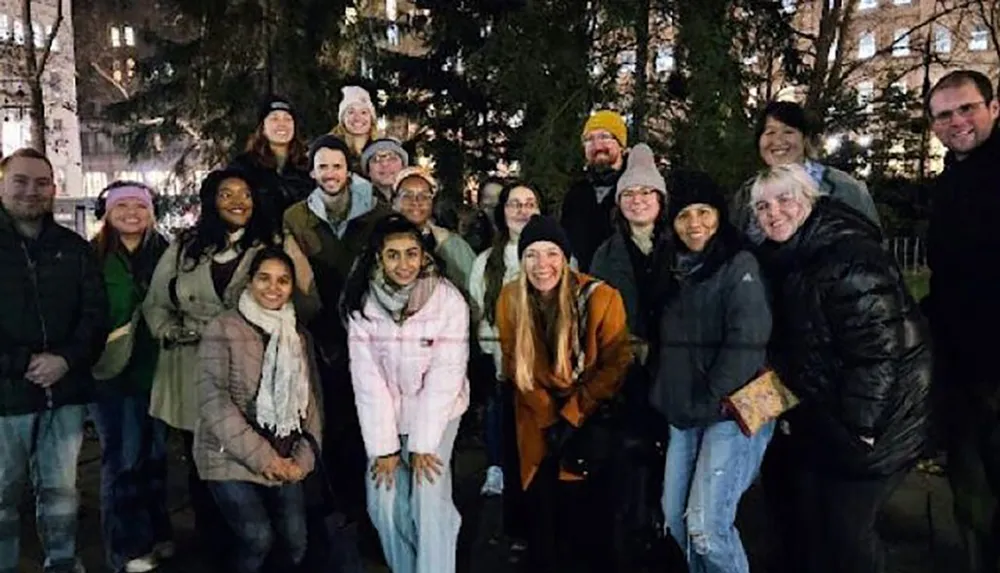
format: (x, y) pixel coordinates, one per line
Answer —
(910, 252)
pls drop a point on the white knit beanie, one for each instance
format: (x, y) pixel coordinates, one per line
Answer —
(354, 95)
(641, 171)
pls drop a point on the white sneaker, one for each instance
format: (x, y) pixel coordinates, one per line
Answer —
(142, 564)
(494, 482)
(164, 550)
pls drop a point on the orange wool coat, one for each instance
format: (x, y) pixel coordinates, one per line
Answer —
(607, 357)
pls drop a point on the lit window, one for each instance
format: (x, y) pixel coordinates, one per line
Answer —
(55, 40)
(898, 2)
(130, 67)
(390, 10)
(626, 62)
(664, 59)
(392, 34)
(116, 37)
(129, 35)
(4, 28)
(979, 40)
(94, 182)
(15, 133)
(866, 45)
(116, 70)
(867, 4)
(901, 43)
(866, 93)
(18, 33)
(37, 31)
(942, 39)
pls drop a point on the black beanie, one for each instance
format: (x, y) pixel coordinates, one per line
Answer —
(274, 103)
(542, 228)
(327, 142)
(687, 187)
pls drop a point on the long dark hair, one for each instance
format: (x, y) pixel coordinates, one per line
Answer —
(356, 286)
(210, 232)
(495, 269)
(260, 148)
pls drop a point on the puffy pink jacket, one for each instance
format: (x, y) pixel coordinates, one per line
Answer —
(410, 379)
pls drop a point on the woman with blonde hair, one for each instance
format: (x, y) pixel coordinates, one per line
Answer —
(356, 123)
(849, 341)
(565, 346)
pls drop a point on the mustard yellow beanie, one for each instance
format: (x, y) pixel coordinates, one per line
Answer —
(609, 121)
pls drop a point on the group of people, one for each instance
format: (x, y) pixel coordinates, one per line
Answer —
(313, 337)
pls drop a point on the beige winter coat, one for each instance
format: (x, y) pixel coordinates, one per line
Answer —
(184, 296)
(226, 445)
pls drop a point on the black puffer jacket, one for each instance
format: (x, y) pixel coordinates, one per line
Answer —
(849, 341)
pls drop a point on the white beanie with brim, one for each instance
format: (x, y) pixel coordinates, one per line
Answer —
(354, 96)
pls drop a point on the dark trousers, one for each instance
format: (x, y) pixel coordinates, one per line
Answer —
(213, 532)
(568, 523)
(133, 478)
(515, 517)
(826, 522)
(269, 524)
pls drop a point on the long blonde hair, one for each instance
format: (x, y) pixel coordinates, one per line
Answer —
(525, 328)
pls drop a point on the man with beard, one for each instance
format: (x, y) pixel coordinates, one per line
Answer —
(381, 161)
(963, 307)
(53, 324)
(332, 227)
(586, 209)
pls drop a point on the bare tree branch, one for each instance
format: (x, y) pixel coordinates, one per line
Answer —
(47, 51)
(114, 83)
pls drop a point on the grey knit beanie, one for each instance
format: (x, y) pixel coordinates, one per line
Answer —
(641, 171)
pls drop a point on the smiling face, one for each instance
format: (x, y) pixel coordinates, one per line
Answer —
(279, 127)
(961, 118)
(781, 144)
(520, 206)
(696, 224)
(402, 257)
(383, 168)
(234, 202)
(271, 286)
(780, 212)
(330, 170)
(602, 150)
(544, 264)
(640, 206)
(130, 217)
(28, 188)
(358, 120)
(415, 200)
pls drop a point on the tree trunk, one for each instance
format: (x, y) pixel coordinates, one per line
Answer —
(640, 105)
(36, 106)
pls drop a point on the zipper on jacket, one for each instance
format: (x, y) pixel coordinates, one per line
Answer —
(33, 277)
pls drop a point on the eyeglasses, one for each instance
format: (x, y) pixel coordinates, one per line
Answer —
(600, 137)
(518, 205)
(387, 157)
(633, 194)
(409, 197)
(963, 111)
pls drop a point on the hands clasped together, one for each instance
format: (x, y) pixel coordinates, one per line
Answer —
(426, 468)
(284, 469)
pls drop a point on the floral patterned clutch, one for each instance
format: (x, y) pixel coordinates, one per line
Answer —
(758, 402)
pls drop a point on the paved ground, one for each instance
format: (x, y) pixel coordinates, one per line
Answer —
(917, 524)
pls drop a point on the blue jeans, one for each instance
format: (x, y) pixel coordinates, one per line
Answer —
(707, 471)
(133, 478)
(417, 524)
(44, 446)
(259, 516)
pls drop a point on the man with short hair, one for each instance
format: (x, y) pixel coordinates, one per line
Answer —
(381, 161)
(963, 306)
(332, 226)
(587, 206)
(53, 326)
